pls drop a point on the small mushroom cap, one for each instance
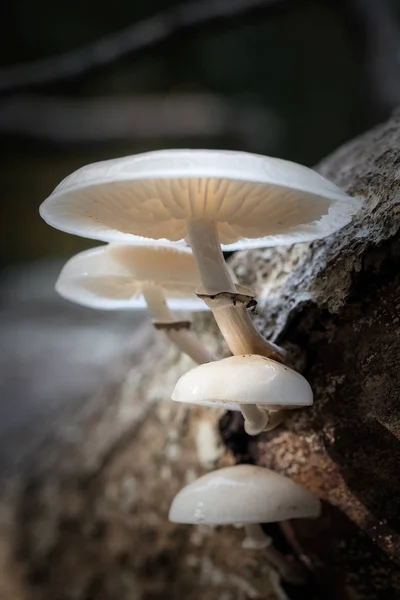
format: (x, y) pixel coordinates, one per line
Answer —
(255, 200)
(244, 379)
(242, 494)
(112, 277)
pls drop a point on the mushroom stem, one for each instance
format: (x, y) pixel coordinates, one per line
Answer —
(275, 418)
(232, 317)
(239, 332)
(188, 343)
(257, 539)
(255, 419)
(157, 304)
(185, 340)
(204, 239)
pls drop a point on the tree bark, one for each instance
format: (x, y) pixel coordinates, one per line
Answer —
(336, 303)
(86, 517)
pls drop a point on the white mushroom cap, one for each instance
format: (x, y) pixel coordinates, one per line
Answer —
(244, 379)
(112, 276)
(242, 494)
(256, 200)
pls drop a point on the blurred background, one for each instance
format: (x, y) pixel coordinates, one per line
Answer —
(86, 81)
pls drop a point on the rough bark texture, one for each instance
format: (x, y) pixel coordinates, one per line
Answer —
(337, 303)
(86, 518)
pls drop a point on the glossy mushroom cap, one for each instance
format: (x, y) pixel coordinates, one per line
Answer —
(244, 379)
(256, 200)
(242, 494)
(112, 276)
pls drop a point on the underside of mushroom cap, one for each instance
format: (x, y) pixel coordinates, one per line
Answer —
(244, 379)
(256, 200)
(112, 276)
(242, 494)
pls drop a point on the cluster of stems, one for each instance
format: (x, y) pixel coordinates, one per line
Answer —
(230, 310)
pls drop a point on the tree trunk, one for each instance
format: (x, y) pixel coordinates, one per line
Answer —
(86, 517)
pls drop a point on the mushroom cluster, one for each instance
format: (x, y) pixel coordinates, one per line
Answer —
(150, 208)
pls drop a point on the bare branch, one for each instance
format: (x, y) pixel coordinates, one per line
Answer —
(146, 116)
(113, 47)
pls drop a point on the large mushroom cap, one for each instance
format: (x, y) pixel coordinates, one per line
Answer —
(242, 494)
(244, 379)
(256, 200)
(112, 276)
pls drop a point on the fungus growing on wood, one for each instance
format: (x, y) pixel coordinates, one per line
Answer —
(208, 198)
(258, 386)
(247, 495)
